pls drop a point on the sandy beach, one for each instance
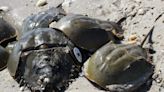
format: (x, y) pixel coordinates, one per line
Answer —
(141, 16)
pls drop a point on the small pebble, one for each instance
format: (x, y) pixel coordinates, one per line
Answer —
(46, 80)
(132, 37)
(4, 8)
(143, 35)
(41, 3)
(22, 88)
(158, 80)
(141, 12)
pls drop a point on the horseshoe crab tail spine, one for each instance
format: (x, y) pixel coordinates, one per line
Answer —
(121, 20)
(151, 30)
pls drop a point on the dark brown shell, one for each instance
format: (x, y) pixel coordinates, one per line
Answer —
(42, 55)
(118, 67)
(7, 32)
(86, 32)
(32, 40)
(42, 19)
(43, 58)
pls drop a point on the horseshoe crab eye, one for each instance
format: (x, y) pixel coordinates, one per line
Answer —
(77, 54)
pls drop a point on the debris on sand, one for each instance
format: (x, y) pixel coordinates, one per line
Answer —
(4, 8)
(41, 3)
(141, 12)
(132, 39)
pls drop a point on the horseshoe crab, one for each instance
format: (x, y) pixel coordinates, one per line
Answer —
(89, 33)
(7, 34)
(43, 58)
(119, 67)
